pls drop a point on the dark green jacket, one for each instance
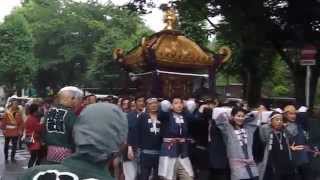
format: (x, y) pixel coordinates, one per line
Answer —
(70, 169)
(58, 131)
(98, 134)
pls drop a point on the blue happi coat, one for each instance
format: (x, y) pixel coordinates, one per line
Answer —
(148, 139)
(175, 125)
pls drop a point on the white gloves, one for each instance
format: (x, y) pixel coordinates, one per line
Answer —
(165, 105)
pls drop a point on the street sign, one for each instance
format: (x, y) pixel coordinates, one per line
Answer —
(308, 58)
(308, 55)
(307, 62)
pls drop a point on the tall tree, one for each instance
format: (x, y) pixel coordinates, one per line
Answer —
(16, 55)
(104, 70)
(67, 34)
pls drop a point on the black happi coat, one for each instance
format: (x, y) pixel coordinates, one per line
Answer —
(148, 139)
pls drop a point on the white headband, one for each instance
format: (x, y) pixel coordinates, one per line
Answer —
(274, 116)
(151, 100)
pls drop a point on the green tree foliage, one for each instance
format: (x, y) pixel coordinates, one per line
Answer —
(70, 36)
(193, 24)
(103, 69)
(16, 53)
(279, 82)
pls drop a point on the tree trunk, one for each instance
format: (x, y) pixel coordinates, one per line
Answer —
(299, 76)
(125, 83)
(254, 89)
(244, 77)
(313, 85)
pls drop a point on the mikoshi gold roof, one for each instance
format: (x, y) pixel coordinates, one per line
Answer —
(172, 50)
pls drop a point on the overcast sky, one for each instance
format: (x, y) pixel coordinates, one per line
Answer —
(153, 20)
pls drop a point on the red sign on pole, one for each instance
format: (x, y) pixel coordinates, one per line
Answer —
(308, 55)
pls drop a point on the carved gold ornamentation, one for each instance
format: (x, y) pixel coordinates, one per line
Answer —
(118, 54)
(172, 50)
(226, 52)
(170, 19)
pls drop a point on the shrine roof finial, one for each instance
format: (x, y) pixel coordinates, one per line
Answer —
(170, 17)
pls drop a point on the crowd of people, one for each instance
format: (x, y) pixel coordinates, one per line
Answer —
(190, 139)
(142, 138)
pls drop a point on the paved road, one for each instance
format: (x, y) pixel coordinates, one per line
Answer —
(11, 171)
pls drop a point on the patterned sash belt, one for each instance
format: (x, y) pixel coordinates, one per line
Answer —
(11, 127)
(173, 141)
(150, 152)
(176, 140)
(57, 154)
(242, 162)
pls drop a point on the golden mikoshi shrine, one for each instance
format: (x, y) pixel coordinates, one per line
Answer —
(169, 64)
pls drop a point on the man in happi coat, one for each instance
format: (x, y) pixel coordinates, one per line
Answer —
(99, 133)
(130, 161)
(59, 123)
(148, 139)
(174, 159)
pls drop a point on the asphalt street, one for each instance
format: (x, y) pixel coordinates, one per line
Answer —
(11, 171)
